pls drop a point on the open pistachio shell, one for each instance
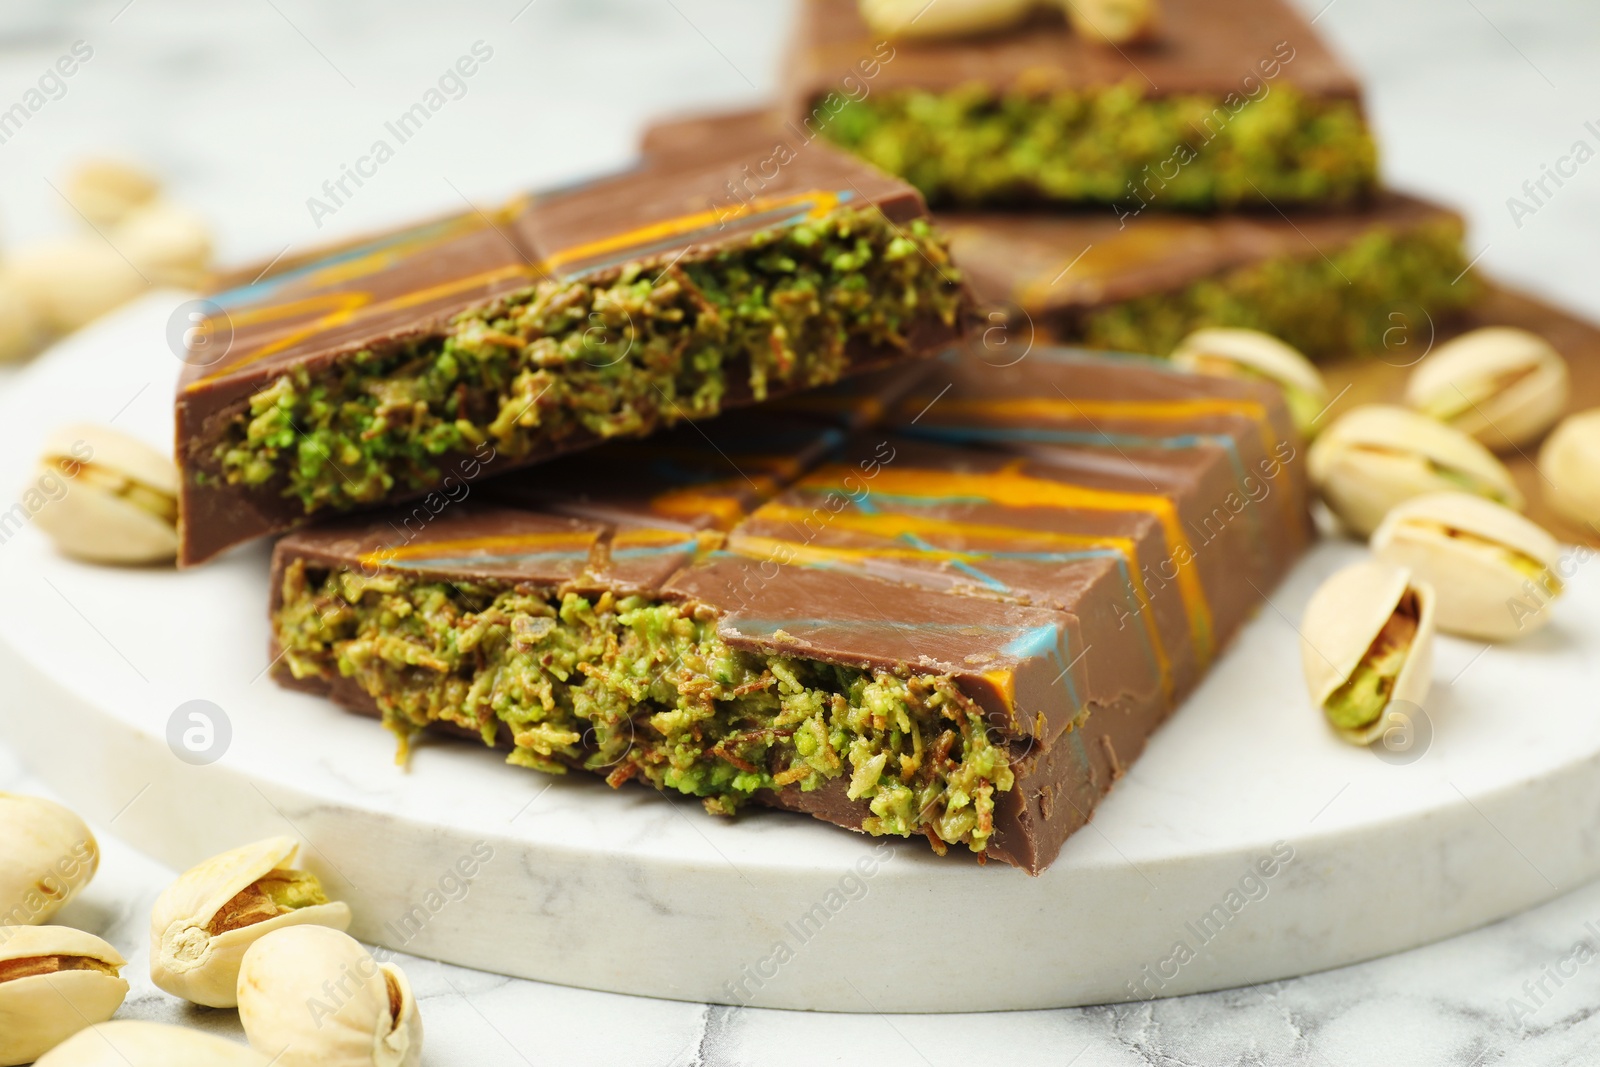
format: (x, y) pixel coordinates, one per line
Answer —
(1500, 385)
(130, 1043)
(1493, 571)
(1570, 465)
(47, 854)
(203, 924)
(1235, 353)
(912, 19)
(1366, 642)
(313, 997)
(119, 497)
(54, 981)
(1377, 456)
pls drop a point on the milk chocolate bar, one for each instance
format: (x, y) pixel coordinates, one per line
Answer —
(1236, 102)
(967, 642)
(480, 343)
(1384, 276)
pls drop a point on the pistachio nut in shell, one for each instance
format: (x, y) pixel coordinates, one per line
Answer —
(71, 281)
(131, 1043)
(1500, 385)
(1569, 463)
(47, 854)
(169, 244)
(107, 190)
(1376, 456)
(1492, 570)
(54, 981)
(1236, 353)
(109, 497)
(314, 997)
(22, 328)
(1114, 22)
(947, 18)
(1366, 641)
(202, 925)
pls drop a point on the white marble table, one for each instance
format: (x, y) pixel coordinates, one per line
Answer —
(248, 107)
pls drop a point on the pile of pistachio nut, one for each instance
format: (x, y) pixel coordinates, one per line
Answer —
(1422, 484)
(130, 239)
(1110, 22)
(245, 930)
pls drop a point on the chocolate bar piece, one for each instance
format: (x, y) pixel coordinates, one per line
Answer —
(1237, 102)
(966, 642)
(483, 342)
(1381, 276)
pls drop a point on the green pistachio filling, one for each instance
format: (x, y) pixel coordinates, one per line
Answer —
(647, 345)
(632, 687)
(970, 146)
(1361, 700)
(273, 894)
(1382, 293)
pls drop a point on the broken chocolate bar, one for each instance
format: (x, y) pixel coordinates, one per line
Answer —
(1235, 103)
(966, 637)
(1383, 276)
(480, 343)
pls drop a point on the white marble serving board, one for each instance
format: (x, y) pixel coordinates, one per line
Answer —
(629, 891)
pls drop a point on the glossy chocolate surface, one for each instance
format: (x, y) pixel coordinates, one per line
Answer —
(1073, 539)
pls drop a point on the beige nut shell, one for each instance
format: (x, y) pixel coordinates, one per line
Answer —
(1478, 593)
(1341, 621)
(203, 968)
(290, 1015)
(1260, 353)
(107, 190)
(1569, 464)
(1503, 417)
(47, 854)
(1377, 456)
(89, 520)
(912, 19)
(1113, 21)
(39, 1012)
(72, 281)
(131, 1043)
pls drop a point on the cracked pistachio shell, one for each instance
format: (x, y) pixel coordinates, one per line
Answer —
(1376, 456)
(1492, 570)
(314, 997)
(1341, 626)
(189, 956)
(54, 981)
(1500, 385)
(911, 19)
(120, 504)
(71, 281)
(1113, 21)
(47, 854)
(1232, 353)
(22, 328)
(1570, 465)
(107, 190)
(168, 243)
(130, 1043)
